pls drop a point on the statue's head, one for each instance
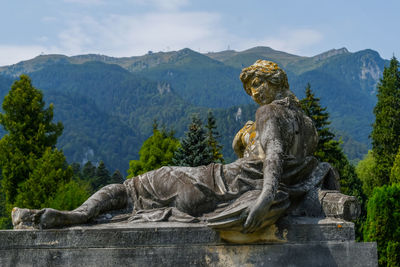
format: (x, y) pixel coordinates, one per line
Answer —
(265, 82)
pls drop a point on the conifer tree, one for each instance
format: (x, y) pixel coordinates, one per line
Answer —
(32, 168)
(76, 168)
(395, 171)
(102, 177)
(4, 220)
(157, 151)
(386, 129)
(88, 171)
(212, 136)
(328, 149)
(194, 150)
(47, 174)
(117, 178)
(30, 132)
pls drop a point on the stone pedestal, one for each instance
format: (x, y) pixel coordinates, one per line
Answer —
(300, 242)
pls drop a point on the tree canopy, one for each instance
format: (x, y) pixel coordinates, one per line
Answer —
(386, 129)
(157, 151)
(212, 137)
(329, 150)
(194, 150)
(30, 131)
(382, 224)
(33, 170)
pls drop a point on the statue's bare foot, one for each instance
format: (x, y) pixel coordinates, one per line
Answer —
(26, 218)
(44, 218)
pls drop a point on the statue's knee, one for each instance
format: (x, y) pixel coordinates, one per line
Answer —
(338, 205)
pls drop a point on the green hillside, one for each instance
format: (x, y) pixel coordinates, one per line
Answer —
(108, 105)
(247, 57)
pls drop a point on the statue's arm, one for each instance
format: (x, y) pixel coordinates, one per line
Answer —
(272, 143)
(237, 143)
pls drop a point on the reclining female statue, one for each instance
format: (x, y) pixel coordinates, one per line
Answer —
(276, 173)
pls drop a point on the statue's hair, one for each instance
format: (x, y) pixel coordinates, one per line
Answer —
(267, 70)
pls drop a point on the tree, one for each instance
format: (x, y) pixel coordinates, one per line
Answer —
(212, 136)
(157, 151)
(329, 150)
(88, 171)
(76, 168)
(386, 129)
(30, 133)
(70, 195)
(194, 150)
(383, 223)
(4, 217)
(102, 177)
(117, 178)
(365, 171)
(395, 172)
(47, 175)
(33, 169)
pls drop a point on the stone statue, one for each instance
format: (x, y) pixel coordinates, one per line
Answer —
(276, 174)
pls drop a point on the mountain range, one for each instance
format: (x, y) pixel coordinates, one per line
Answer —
(108, 105)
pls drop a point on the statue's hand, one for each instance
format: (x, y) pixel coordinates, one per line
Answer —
(256, 215)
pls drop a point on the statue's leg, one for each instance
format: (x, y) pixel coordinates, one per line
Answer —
(110, 197)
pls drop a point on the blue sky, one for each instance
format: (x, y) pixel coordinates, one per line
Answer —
(134, 27)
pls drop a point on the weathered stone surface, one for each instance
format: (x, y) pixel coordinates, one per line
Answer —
(276, 174)
(310, 254)
(294, 230)
(339, 205)
(242, 202)
(305, 242)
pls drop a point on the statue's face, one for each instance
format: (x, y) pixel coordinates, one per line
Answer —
(262, 91)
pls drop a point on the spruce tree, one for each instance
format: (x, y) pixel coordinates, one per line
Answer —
(386, 129)
(88, 171)
(76, 168)
(157, 151)
(117, 178)
(329, 150)
(212, 136)
(30, 132)
(194, 150)
(32, 168)
(102, 177)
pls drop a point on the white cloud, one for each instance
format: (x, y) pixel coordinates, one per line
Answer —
(295, 41)
(126, 36)
(162, 4)
(85, 2)
(13, 54)
(164, 30)
(48, 19)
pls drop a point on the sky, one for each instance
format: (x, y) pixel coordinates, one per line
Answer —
(124, 28)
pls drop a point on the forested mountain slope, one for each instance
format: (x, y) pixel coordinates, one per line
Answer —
(108, 105)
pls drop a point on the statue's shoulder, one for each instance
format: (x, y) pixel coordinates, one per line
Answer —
(276, 108)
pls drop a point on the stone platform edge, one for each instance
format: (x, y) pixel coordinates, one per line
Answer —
(309, 242)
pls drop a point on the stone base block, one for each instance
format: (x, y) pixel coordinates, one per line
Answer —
(303, 242)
